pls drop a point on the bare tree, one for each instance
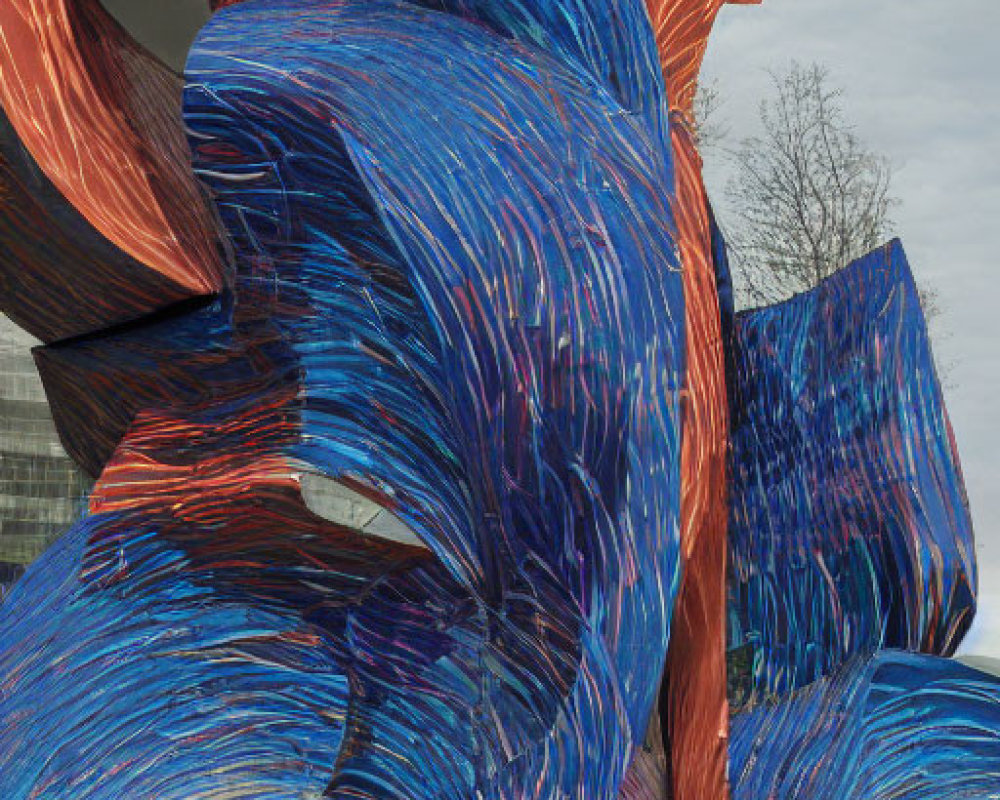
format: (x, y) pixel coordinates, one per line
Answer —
(807, 196)
(710, 129)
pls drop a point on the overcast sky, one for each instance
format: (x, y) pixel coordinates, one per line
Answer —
(921, 80)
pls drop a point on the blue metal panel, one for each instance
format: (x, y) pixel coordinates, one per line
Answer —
(850, 529)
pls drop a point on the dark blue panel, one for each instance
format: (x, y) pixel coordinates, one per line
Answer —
(850, 528)
(141, 681)
(897, 726)
(611, 41)
(468, 243)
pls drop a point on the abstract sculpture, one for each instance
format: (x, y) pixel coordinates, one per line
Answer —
(401, 347)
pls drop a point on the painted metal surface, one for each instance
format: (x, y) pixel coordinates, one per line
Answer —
(420, 449)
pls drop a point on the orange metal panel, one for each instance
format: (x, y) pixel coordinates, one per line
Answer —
(101, 117)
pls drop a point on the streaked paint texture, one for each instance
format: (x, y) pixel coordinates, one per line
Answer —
(849, 529)
(895, 725)
(419, 448)
(99, 117)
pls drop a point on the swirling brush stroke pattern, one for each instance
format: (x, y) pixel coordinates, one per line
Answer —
(103, 127)
(461, 271)
(896, 725)
(139, 681)
(92, 146)
(490, 349)
(850, 528)
(455, 291)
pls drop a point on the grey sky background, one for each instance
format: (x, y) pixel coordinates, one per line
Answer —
(921, 81)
